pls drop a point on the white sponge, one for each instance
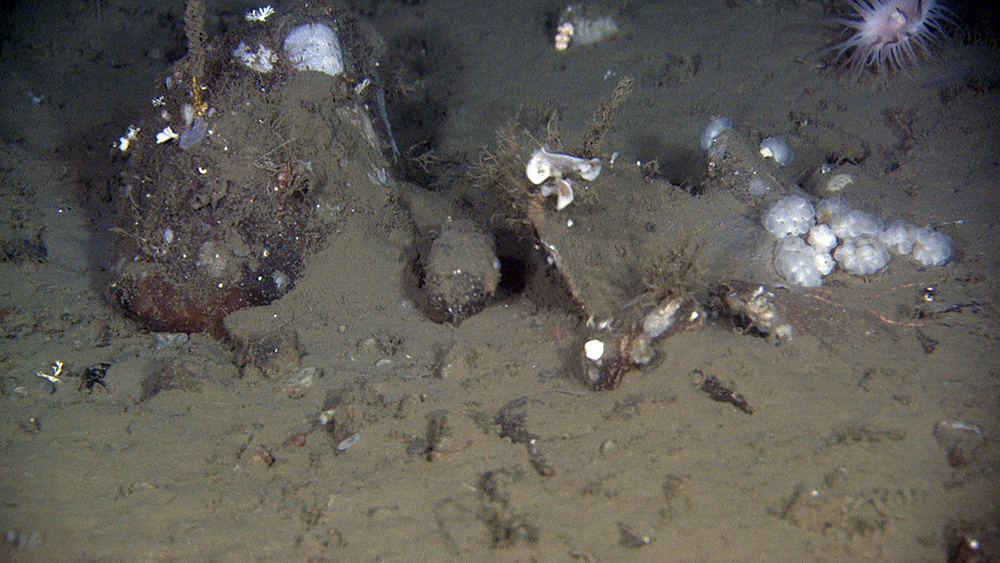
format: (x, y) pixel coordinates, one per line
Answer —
(314, 46)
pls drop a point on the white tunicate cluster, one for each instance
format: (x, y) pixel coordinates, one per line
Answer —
(856, 223)
(314, 46)
(931, 248)
(793, 215)
(898, 237)
(821, 238)
(800, 263)
(859, 241)
(713, 130)
(831, 209)
(864, 255)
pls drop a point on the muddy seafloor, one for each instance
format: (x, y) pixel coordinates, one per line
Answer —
(873, 434)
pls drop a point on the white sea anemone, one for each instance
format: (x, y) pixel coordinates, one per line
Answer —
(713, 130)
(777, 148)
(890, 35)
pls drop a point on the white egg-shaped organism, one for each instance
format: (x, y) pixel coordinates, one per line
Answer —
(796, 262)
(777, 148)
(793, 215)
(831, 209)
(857, 223)
(898, 237)
(824, 263)
(713, 130)
(931, 248)
(822, 239)
(863, 255)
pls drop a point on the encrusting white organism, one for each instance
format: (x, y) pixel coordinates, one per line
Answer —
(166, 135)
(259, 15)
(131, 136)
(793, 215)
(545, 165)
(262, 60)
(860, 242)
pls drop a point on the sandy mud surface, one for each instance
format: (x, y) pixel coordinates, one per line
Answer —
(340, 423)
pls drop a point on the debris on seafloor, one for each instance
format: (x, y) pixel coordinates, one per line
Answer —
(342, 422)
(93, 376)
(609, 355)
(439, 435)
(539, 461)
(630, 538)
(751, 307)
(507, 529)
(972, 542)
(171, 374)
(959, 440)
(513, 422)
(272, 355)
(721, 392)
(504, 524)
(623, 224)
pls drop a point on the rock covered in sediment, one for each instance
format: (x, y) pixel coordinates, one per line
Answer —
(222, 206)
(462, 272)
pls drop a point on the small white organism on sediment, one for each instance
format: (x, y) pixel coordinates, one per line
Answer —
(715, 127)
(581, 26)
(259, 15)
(166, 135)
(777, 148)
(558, 167)
(131, 136)
(262, 60)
